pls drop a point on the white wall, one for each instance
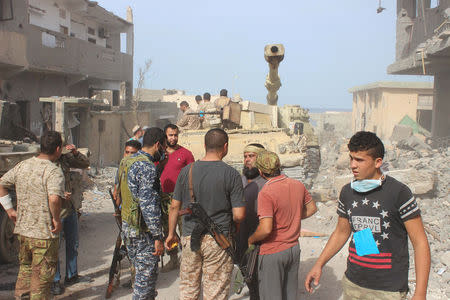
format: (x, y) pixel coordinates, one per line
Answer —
(47, 16)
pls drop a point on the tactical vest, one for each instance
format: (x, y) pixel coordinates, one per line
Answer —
(131, 213)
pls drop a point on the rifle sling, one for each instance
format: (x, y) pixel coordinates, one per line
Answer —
(191, 188)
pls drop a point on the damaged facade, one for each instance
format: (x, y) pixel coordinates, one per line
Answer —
(379, 106)
(62, 48)
(423, 48)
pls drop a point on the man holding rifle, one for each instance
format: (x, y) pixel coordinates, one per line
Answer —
(141, 212)
(217, 189)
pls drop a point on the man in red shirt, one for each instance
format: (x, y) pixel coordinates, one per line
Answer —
(177, 158)
(282, 203)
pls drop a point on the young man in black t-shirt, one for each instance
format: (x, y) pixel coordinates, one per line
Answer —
(381, 212)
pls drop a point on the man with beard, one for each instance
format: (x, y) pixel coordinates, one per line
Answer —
(177, 158)
(141, 212)
(252, 183)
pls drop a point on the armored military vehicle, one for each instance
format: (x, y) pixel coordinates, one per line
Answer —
(285, 130)
(11, 153)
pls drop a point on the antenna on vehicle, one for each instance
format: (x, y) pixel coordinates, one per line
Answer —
(380, 8)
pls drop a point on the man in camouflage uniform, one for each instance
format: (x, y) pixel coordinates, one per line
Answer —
(209, 120)
(190, 119)
(223, 100)
(70, 158)
(141, 212)
(39, 185)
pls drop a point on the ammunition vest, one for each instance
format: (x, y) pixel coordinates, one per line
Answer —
(131, 212)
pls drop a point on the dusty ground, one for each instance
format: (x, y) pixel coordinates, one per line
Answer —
(98, 233)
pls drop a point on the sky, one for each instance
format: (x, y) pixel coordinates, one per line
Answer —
(203, 46)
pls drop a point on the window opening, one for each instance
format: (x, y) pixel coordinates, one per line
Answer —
(6, 10)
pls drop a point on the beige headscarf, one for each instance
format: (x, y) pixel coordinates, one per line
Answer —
(254, 149)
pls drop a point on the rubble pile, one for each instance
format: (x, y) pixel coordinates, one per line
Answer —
(426, 172)
(97, 184)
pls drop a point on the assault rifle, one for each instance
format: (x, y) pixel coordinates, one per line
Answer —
(195, 210)
(119, 252)
(198, 212)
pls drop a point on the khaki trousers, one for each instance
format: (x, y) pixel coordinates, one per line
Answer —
(208, 269)
(353, 291)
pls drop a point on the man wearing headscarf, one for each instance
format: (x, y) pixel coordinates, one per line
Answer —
(252, 183)
(282, 203)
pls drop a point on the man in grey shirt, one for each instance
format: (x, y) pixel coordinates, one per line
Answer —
(218, 189)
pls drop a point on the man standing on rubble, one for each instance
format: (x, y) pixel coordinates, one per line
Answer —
(70, 158)
(282, 204)
(39, 185)
(141, 212)
(177, 158)
(217, 187)
(190, 119)
(381, 212)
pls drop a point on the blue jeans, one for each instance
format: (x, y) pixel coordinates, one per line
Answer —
(70, 230)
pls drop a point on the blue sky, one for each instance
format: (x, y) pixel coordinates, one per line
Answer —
(204, 46)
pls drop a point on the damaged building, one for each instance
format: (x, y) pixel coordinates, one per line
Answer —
(61, 48)
(379, 106)
(423, 48)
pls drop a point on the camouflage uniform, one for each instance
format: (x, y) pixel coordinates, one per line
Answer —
(217, 271)
(210, 120)
(143, 183)
(189, 120)
(37, 259)
(34, 180)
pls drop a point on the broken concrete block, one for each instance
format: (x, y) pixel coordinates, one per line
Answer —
(413, 143)
(401, 132)
(420, 182)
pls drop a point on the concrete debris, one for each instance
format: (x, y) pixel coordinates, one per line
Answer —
(401, 132)
(413, 143)
(413, 162)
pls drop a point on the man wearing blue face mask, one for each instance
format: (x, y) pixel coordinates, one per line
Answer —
(381, 212)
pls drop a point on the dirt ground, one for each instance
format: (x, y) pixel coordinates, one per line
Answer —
(98, 233)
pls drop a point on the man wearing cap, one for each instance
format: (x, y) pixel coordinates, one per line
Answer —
(138, 133)
(70, 158)
(190, 119)
(282, 203)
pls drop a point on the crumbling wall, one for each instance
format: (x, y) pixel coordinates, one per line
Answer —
(28, 87)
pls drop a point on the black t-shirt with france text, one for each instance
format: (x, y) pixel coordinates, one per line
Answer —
(384, 210)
